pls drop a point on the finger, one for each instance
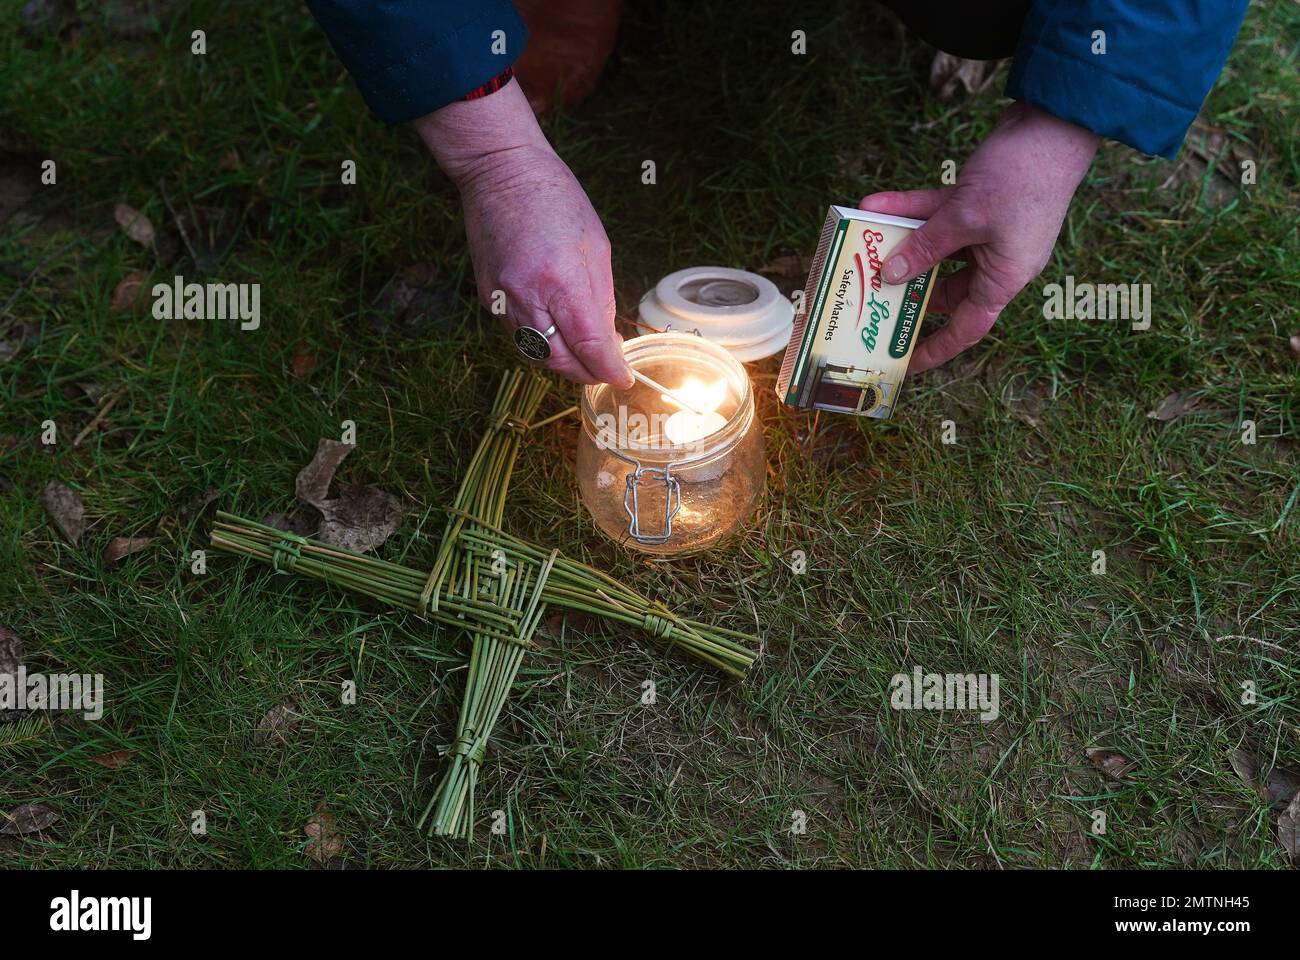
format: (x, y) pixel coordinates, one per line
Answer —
(946, 232)
(600, 271)
(917, 204)
(970, 321)
(586, 323)
(950, 290)
(564, 363)
(561, 360)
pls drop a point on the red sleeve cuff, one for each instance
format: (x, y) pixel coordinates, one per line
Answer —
(492, 86)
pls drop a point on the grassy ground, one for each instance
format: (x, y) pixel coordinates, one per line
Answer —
(969, 557)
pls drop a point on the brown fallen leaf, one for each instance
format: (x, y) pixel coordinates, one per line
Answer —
(1174, 406)
(65, 509)
(302, 361)
(11, 658)
(1288, 829)
(120, 547)
(94, 392)
(1280, 787)
(313, 482)
(326, 841)
(1109, 762)
(948, 74)
(128, 294)
(1243, 763)
(275, 725)
(359, 519)
(1025, 398)
(29, 818)
(134, 224)
(1206, 146)
(1276, 788)
(11, 651)
(114, 759)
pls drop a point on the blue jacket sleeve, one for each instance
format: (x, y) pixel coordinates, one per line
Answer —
(410, 57)
(1161, 59)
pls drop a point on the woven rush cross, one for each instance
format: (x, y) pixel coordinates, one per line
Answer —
(491, 584)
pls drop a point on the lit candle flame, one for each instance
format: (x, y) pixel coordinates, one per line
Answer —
(687, 426)
(704, 397)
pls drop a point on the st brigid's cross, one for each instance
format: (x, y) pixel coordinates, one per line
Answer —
(492, 584)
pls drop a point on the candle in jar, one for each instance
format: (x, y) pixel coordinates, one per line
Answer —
(688, 426)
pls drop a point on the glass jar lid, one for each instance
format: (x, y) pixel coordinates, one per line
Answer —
(741, 311)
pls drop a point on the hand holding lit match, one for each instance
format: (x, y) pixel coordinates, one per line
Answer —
(539, 250)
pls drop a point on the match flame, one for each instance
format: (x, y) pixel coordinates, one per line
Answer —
(705, 397)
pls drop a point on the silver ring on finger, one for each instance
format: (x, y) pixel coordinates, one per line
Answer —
(533, 343)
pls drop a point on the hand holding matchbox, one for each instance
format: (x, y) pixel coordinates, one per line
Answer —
(853, 339)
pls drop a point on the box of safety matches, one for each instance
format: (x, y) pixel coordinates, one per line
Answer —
(854, 336)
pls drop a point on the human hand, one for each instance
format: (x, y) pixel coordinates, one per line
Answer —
(532, 232)
(1002, 217)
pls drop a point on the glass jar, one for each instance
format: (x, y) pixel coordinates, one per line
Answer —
(660, 478)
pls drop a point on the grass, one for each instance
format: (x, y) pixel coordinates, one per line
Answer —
(966, 557)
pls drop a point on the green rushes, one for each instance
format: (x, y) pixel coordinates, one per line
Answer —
(490, 583)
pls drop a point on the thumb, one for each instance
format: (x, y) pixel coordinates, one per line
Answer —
(942, 235)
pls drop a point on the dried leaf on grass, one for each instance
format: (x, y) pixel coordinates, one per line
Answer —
(948, 74)
(1288, 829)
(114, 759)
(302, 361)
(65, 509)
(1207, 147)
(120, 547)
(11, 658)
(313, 482)
(326, 841)
(128, 294)
(134, 224)
(275, 725)
(362, 517)
(1174, 406)
(1277, 787)
(1113, 764)
(29, 818)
